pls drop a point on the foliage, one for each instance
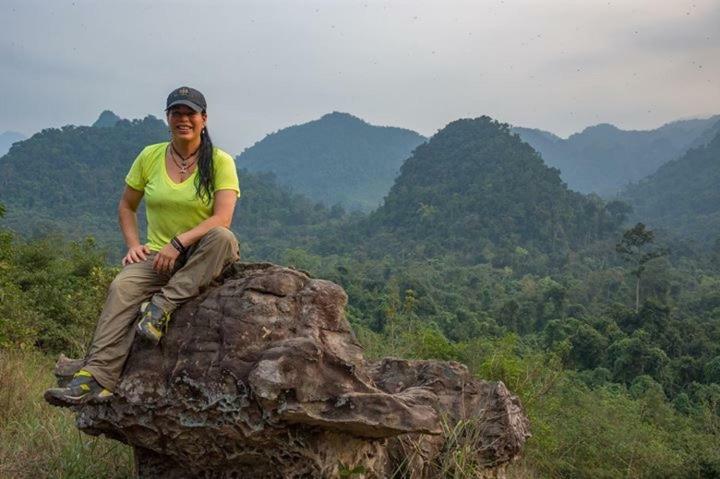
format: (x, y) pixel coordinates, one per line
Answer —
(682, 196)
(338, 159)
(7, 138)
(88, 164)
(107, 119)
(603, 158)
(270, 220)
(579, 431)
(37, 440)
(69, 180)
(477, 192)
(634, 247)
(50, 293)
(480, 254)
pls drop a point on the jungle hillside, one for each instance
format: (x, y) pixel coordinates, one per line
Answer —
(603, 315)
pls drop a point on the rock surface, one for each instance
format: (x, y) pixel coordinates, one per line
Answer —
(262, 377)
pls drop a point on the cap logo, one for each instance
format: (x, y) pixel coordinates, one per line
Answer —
(183, 91)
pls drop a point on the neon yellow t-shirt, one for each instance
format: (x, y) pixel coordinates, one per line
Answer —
(173, 208)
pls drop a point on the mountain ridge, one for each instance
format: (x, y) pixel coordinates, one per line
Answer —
(106, 119)
(68, 181)
(682, 195)
(603, 158)
(337, 158)
(475, 188)
(7, 139)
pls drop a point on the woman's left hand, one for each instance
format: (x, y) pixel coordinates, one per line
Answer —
(164, 261)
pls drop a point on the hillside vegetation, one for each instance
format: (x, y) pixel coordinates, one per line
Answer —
(337, 159)
(683, 197)
(479, 254)
(476, 190)
(68, 182)
(603, 158)
(7, 138)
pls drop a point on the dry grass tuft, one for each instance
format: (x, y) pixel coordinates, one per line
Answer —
(462, 454)
(40, 441)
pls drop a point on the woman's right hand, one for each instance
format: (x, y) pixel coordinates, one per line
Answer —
(136, 254)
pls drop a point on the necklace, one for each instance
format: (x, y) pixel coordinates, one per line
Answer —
(183, 166)
(184, 159)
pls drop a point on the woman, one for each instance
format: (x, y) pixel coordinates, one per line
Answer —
(190, 190)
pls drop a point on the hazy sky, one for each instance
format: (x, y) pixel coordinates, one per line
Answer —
(559, 65)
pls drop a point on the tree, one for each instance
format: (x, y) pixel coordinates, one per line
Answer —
(588, 347)
(712, 371)
(634, 356)
(635, 247)
(617, 211)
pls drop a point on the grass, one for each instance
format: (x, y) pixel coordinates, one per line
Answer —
(461, 457)
(41, 441)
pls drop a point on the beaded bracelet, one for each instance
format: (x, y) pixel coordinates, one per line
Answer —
(178, 245)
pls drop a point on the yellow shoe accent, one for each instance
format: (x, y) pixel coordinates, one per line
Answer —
(153, 322)
(154, 331)
(104, 394)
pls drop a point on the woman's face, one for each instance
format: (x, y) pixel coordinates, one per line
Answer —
(185, 123)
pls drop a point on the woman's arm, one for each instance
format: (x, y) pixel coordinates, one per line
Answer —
(127, 217)
(222, 216)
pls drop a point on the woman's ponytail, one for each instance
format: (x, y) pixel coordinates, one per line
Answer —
(205, 179)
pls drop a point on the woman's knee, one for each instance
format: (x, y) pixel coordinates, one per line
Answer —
(223, 239)
(120, 285)
(127, 287)
(221, 234)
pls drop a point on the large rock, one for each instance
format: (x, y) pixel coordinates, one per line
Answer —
(262, 377)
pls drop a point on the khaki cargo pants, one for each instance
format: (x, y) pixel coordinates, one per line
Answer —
(139, 282)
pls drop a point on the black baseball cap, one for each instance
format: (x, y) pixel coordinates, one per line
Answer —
(186, 96)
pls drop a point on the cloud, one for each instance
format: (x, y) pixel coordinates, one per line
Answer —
(419, 64)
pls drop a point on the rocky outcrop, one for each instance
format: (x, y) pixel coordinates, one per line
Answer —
(262, 377)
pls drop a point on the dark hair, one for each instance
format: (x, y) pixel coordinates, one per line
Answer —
(205, 179)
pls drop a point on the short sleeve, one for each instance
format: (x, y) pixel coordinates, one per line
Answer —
(136, 177)
(226, 177)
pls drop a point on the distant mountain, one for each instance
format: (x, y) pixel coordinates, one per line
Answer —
(106, 119)
(604, 158)
(707, 136)
(338, 158)
(69, 181)
(538, 139)
(683, 196)
(7, 139)
(475, 187)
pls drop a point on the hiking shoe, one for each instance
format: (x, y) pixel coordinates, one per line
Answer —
(82, 389)
(153, 322)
